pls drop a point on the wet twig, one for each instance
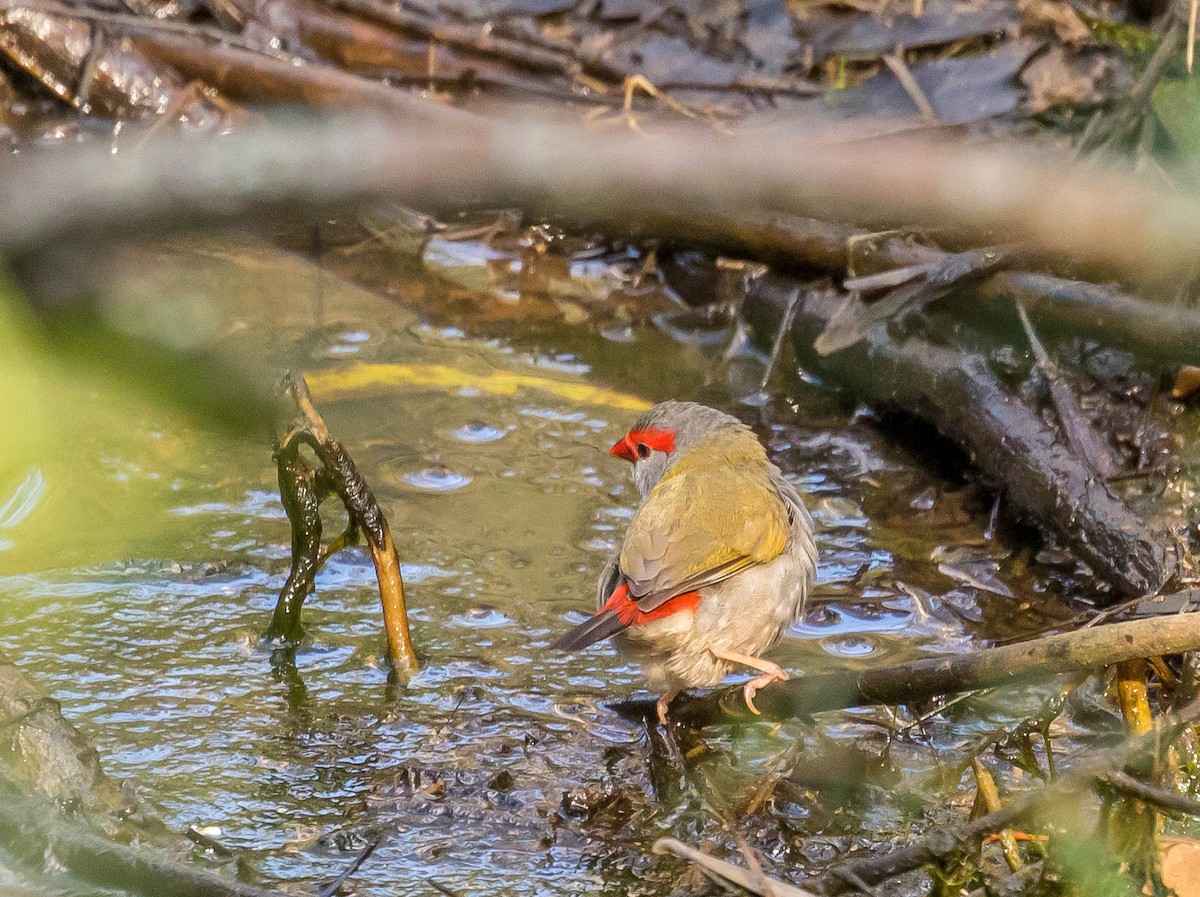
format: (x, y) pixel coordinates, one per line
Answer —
(1165, 800)
(989, 798)
(1079, 431)
(302, 488)
(728, 872)
(332, 888)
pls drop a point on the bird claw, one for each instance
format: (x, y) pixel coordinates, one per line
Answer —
(750, 689)
(663, 704)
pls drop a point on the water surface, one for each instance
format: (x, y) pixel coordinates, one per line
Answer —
(498, 769)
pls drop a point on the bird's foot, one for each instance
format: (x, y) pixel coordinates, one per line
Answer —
(663, 704)
(775, 673)
(771, 672)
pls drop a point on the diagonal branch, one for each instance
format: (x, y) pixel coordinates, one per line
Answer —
(1036, 660)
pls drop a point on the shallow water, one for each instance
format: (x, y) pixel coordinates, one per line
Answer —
(498, 768)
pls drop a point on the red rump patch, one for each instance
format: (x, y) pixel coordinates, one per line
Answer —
(628, 613)
(651, 438)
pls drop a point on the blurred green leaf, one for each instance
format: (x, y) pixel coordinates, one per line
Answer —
(98, 422)
(1135, 41)
(1176, 102)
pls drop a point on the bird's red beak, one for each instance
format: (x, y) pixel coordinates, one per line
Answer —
(623, 448)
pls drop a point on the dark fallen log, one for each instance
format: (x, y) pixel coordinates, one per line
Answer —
(1036, 660)
(37, 830)
(958, 393)
(48, 755)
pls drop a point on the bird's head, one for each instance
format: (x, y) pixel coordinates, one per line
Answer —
(664, 434)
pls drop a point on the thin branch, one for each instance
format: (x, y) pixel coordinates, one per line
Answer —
(1164, 800)
(727, 871)
(1079, 431)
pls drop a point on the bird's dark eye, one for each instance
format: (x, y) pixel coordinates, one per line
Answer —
(643, 450)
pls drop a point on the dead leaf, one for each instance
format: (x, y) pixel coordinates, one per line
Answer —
(1087, 77)
(1187, 381)
(1179, 860)
(665, 61)
(1056, 17)
(961, 91)
(863, 35)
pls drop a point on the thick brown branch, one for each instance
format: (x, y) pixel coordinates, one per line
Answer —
(920, 680)
(1052, 204)
(255, 77)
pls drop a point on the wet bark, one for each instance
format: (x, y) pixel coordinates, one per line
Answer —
(49, 756)
(302, 488)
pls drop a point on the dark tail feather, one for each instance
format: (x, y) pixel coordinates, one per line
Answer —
(604, 625)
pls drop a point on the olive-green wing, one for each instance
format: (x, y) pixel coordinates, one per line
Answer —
(698, 528)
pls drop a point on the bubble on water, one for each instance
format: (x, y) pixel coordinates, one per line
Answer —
(477, 431)
(759, 399)
(849, 646)
(618, 333)
(693, 327)
(436, 478)
(481, 617)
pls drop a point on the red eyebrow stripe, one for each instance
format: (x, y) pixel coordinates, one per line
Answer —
(659, 440)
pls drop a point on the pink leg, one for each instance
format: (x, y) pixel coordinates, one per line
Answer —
(771, 672)
(663, 703)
